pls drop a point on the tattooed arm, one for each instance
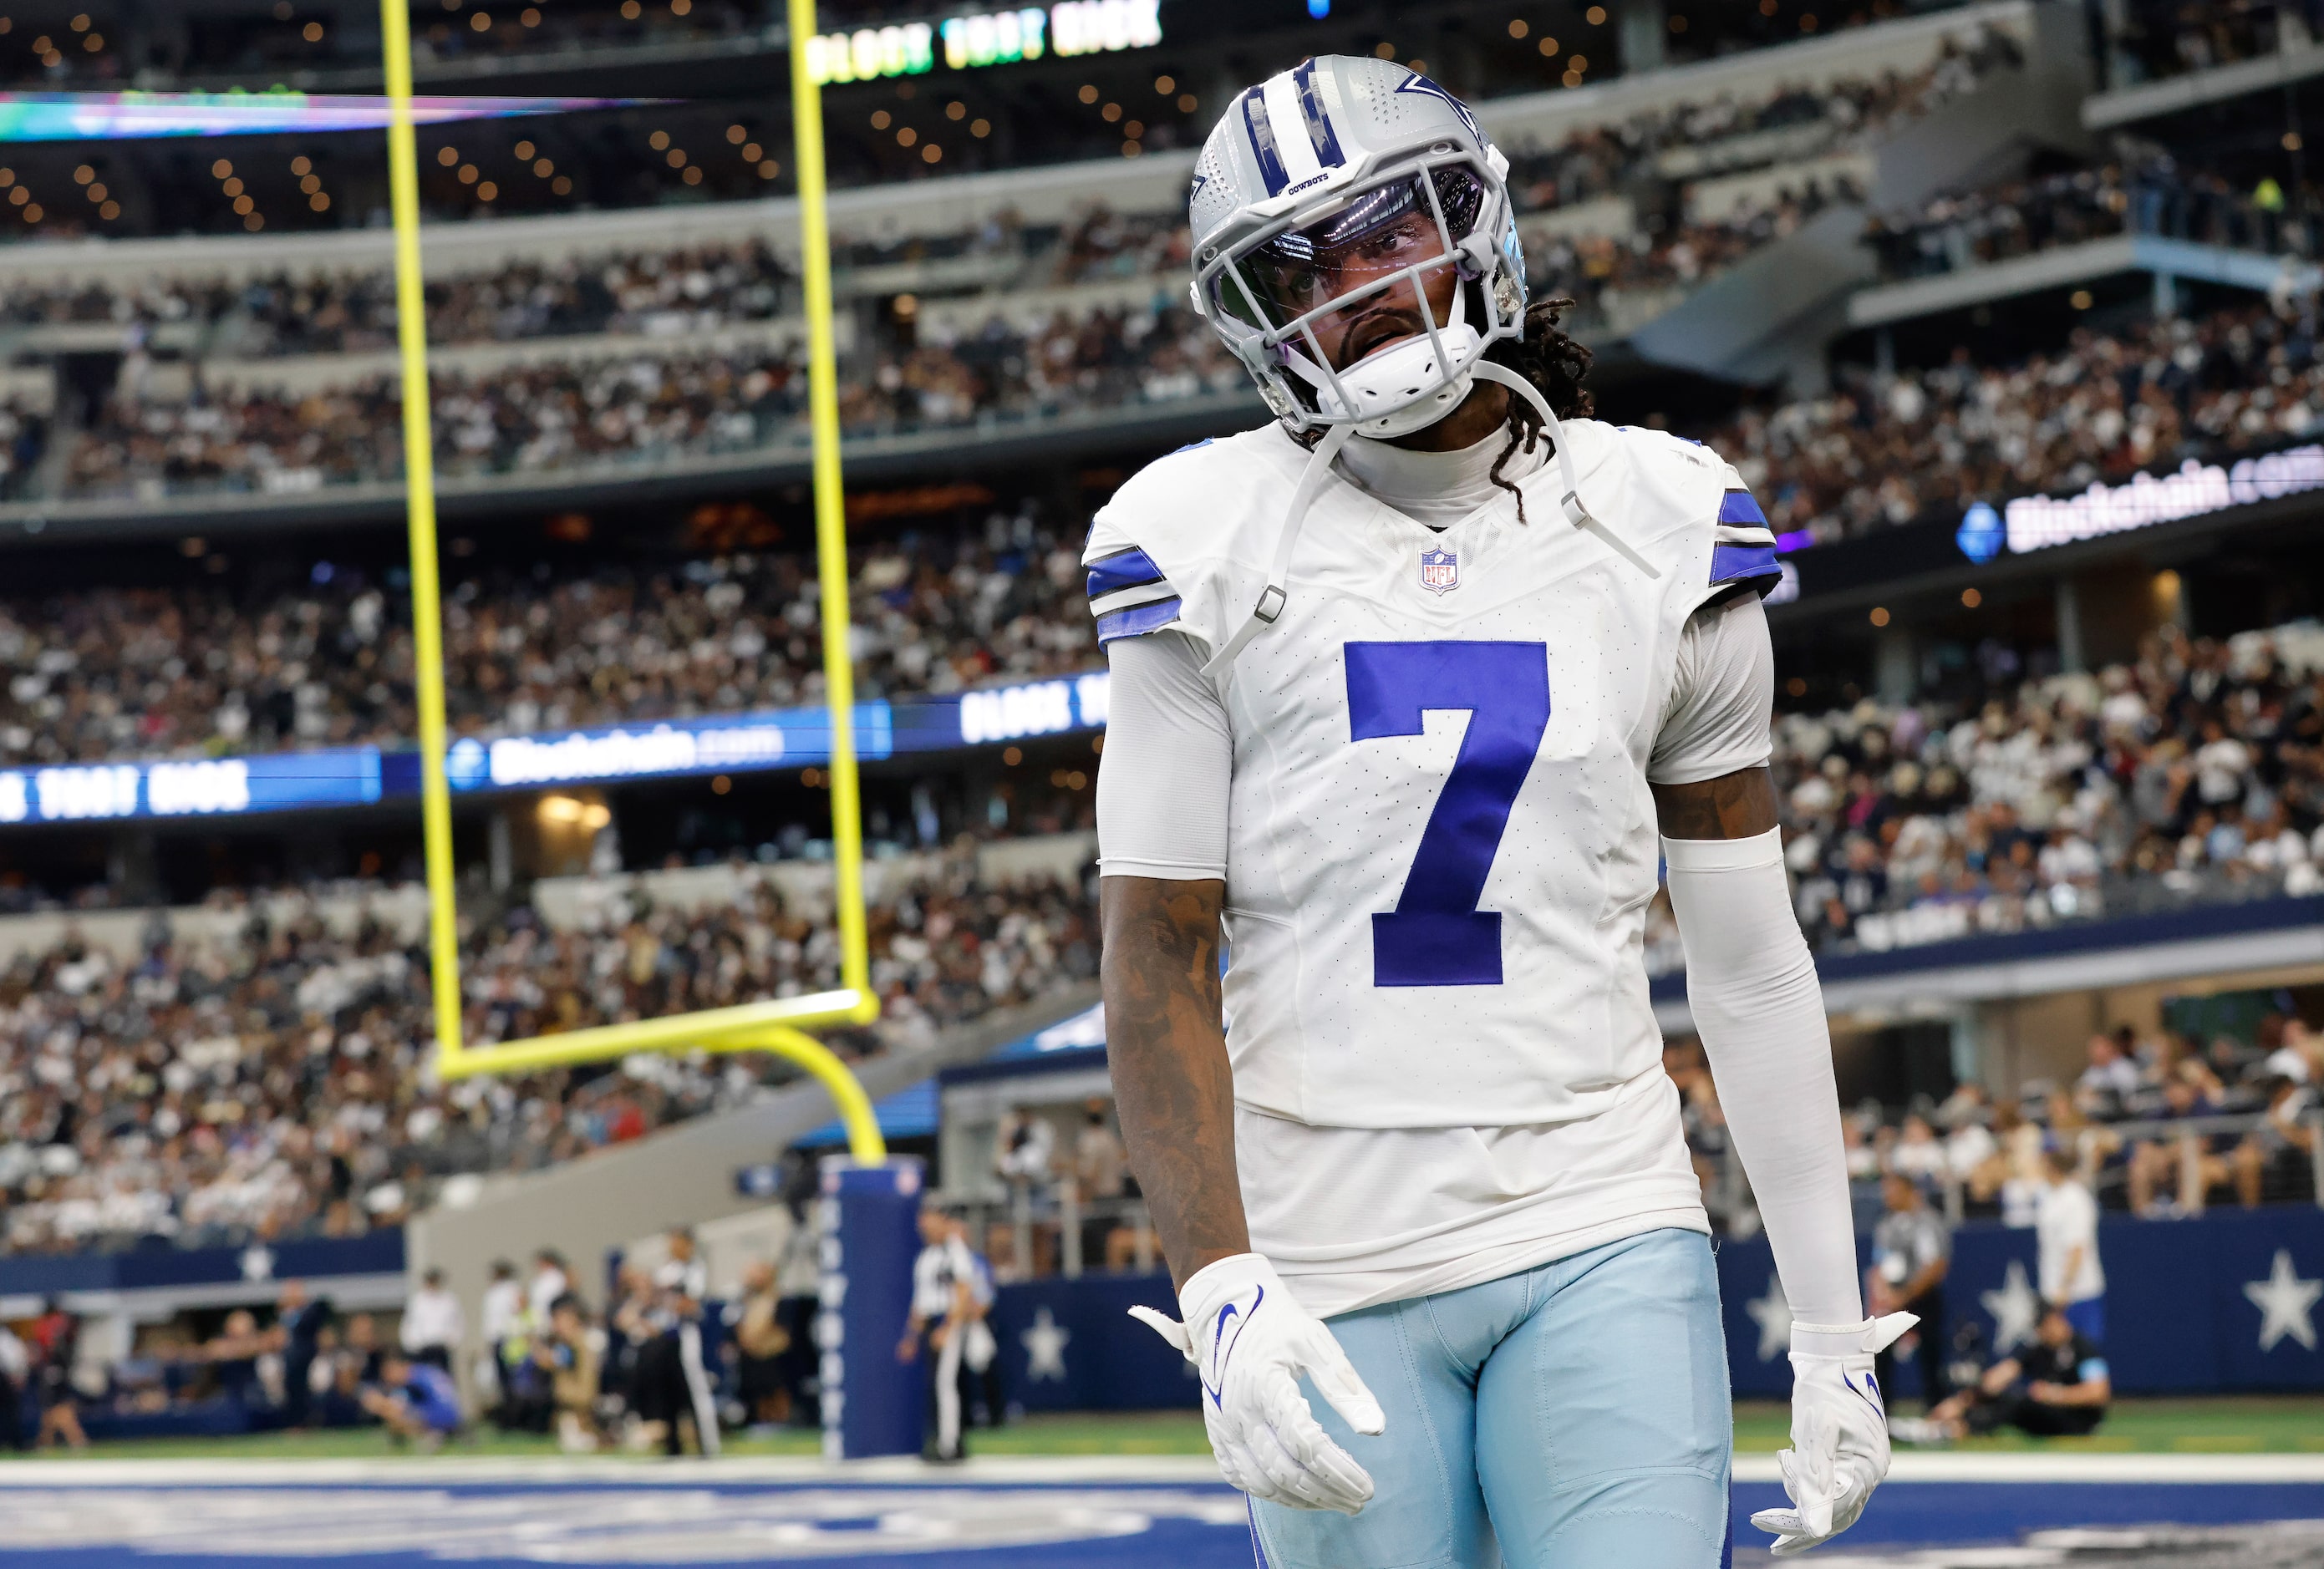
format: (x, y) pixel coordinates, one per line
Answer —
(1167, 1050)
(1738, 806)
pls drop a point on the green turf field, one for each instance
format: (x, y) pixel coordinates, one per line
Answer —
(2256, 1425)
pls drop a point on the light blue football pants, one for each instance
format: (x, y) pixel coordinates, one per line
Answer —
(1571, 1416)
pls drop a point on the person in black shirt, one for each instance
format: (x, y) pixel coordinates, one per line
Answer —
(2057, 1386)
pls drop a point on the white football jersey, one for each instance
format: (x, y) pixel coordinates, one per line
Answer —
(1441, 841)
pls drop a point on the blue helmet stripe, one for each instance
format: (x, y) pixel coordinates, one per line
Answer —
(1261, 131)
(1319, 124)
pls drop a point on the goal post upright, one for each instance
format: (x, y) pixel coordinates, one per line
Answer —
(419, 516)
(778, 1025)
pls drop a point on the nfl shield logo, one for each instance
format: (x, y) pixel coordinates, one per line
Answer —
(1439, 569)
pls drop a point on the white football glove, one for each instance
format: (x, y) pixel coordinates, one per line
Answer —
(1839, 1431)
(1250, 1342)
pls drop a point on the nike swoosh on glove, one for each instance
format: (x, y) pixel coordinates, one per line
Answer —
(1250, 1342)
(1839, 1431)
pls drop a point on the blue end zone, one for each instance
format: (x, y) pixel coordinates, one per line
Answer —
(675, 1518)
(1968, 1513)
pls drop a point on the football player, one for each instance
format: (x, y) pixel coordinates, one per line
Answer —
(1413, 690)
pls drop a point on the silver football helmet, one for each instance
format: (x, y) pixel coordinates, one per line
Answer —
(1350, 202)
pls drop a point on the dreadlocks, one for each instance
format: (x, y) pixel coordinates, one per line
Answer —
(1553, 361)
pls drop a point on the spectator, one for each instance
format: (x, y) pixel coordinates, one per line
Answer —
(15, 1375)
(1912, 1250)
(671, 1382)
(935, 1330)
(1917, 1154)
(234, 1357)
(2067, 1248)
(1100, 1177)
(501, 1323)
(417, 1402)
(2192, 1162)
(798, 1281)
(2285, 1137)
(2058, 1386)
(549, 1282)
(980, 1353)
(1970, 1147)
(684, 1278)
(2110, 1080)
(433, 1326)
(55, 1343)
(299, 1321)
(566, 1349)
(760, 1342)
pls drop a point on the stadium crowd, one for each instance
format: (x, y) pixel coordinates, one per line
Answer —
(1890, 448)
(2196, 773)
(329, 662)
(1886, 447)
(277, 1083)
(1994, 224)
(2154, 38)
(107, 673)
(657, 406)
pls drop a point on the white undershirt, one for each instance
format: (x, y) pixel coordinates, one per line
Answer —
(1437, 488)
(1354, 1216)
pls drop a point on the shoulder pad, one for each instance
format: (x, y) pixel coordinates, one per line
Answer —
(1156, 551)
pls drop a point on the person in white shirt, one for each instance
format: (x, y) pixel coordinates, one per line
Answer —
(549, 1281)
(683, 1284)
(501, 1321)
(2066, 1237)
(1917, 1155)
(935, 1331)
(2112, 1077)
(433, 1324)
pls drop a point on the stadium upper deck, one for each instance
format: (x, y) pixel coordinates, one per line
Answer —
(149, 370)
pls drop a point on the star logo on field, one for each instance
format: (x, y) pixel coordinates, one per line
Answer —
(257, 1262)
(1045, 1347)
(2016, 1308)
(1773, 1314)
(2286, 1304)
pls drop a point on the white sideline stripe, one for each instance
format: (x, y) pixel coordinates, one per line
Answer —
(1005, 1470)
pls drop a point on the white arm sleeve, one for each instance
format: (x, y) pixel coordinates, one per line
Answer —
(1169, 755)
(1760, 1012)
(1721, 694)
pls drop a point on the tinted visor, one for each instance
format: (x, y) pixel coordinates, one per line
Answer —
(1376, 234)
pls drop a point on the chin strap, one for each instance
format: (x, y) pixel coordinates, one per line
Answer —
(1570, 502)
(1272, 597)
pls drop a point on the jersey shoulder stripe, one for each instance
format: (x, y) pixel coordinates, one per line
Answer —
(1128, 595)
(1159, 549)
(1742, 545)
(1137, 620)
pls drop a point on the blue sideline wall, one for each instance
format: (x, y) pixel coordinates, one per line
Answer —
(2179, 1317)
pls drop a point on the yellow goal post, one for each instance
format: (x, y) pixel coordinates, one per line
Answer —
(779, 1026)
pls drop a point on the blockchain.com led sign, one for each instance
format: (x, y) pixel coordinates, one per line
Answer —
(2038, 522)
(985, 38)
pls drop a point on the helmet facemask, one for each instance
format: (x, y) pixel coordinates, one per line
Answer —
(1349, 277)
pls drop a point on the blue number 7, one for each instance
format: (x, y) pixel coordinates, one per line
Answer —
(1437, 936)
